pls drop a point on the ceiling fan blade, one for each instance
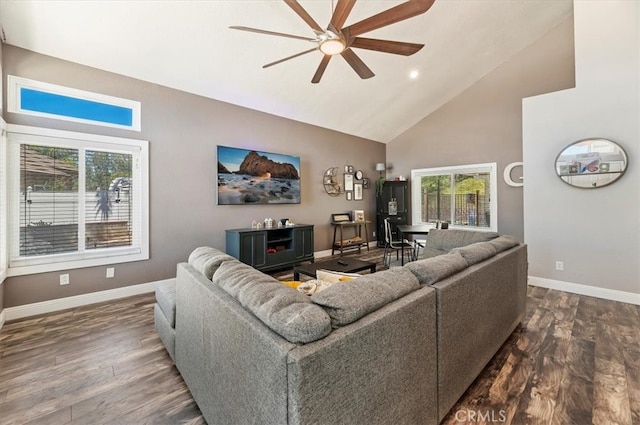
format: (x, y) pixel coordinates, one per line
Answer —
(398, 13)
(323, 65)
(279, 34)
(341, 12)
(356, 63)
(387, 46)
(293, 4)
(289, 57)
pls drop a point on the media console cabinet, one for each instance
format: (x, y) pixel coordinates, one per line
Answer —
(271, 248)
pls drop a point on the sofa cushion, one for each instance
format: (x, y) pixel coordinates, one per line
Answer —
(431, 270)
(166, 299)
(476, 252)
(503, 243)
(346, 302)
(441, 241)
(283, 309)
(207, 260)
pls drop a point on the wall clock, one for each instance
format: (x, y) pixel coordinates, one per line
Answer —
(359, 175)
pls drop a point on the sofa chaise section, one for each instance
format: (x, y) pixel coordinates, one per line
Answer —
(164, 314)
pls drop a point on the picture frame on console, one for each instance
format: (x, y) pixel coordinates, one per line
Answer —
(340, 217)
(254, 177)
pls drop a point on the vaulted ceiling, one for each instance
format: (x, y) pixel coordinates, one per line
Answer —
(187, 45)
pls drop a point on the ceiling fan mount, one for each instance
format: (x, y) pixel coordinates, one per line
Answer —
(336, 39)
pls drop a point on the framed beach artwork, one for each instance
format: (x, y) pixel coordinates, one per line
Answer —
(253, 177)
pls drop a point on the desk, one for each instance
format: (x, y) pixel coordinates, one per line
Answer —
(356, 241)
(412, 229)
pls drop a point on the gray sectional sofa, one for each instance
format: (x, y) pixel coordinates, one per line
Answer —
(397, 346)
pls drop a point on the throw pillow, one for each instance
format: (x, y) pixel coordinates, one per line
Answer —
(346, 302)
(314, 286)
(432, 270)
(334, 277)
(291, 283)
(207, 260)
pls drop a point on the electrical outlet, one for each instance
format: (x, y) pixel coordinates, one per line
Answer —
(374, 234)
(111, 272)
(64, 279)
(559, 265)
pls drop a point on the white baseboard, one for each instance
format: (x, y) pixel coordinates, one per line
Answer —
(320, 254)
(28, 310)
(591, 291)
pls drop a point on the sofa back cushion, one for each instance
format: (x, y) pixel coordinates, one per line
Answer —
(207, 260)
(504, 242)
(431, 270)
(476, 252)
(283, 309)
(346, 302)
(441, 241)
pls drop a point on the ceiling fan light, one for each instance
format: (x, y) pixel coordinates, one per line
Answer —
(332, 46)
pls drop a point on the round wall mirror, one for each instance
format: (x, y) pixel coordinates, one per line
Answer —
(591, 163)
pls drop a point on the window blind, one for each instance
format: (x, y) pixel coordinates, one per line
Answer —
(48, 200)
(108, 200)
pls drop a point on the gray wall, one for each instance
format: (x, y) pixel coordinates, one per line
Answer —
(183, 131)
(484, 123)
(595, 232)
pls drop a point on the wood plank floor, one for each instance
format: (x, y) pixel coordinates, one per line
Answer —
(574, 360)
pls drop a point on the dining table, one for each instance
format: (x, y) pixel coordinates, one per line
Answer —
(413, 230)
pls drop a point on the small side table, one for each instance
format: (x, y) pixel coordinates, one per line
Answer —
(355, 242)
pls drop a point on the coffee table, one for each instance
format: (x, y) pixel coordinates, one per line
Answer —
(352, 265)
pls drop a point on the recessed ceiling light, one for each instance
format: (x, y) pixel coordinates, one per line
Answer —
(414, 74)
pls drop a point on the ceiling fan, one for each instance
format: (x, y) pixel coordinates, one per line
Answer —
(336, 39)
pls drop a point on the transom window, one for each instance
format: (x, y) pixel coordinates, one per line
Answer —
(76, 200)
(464, 196)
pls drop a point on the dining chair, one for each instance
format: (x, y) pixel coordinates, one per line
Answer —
(395, 245)
(417, 244)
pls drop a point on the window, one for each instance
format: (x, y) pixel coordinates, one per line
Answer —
(41, 99)
(464, 196)
(76, 200)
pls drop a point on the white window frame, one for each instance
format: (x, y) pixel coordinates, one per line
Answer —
(14, 103)
(491, 168)
(4, 244)
(82, 258)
